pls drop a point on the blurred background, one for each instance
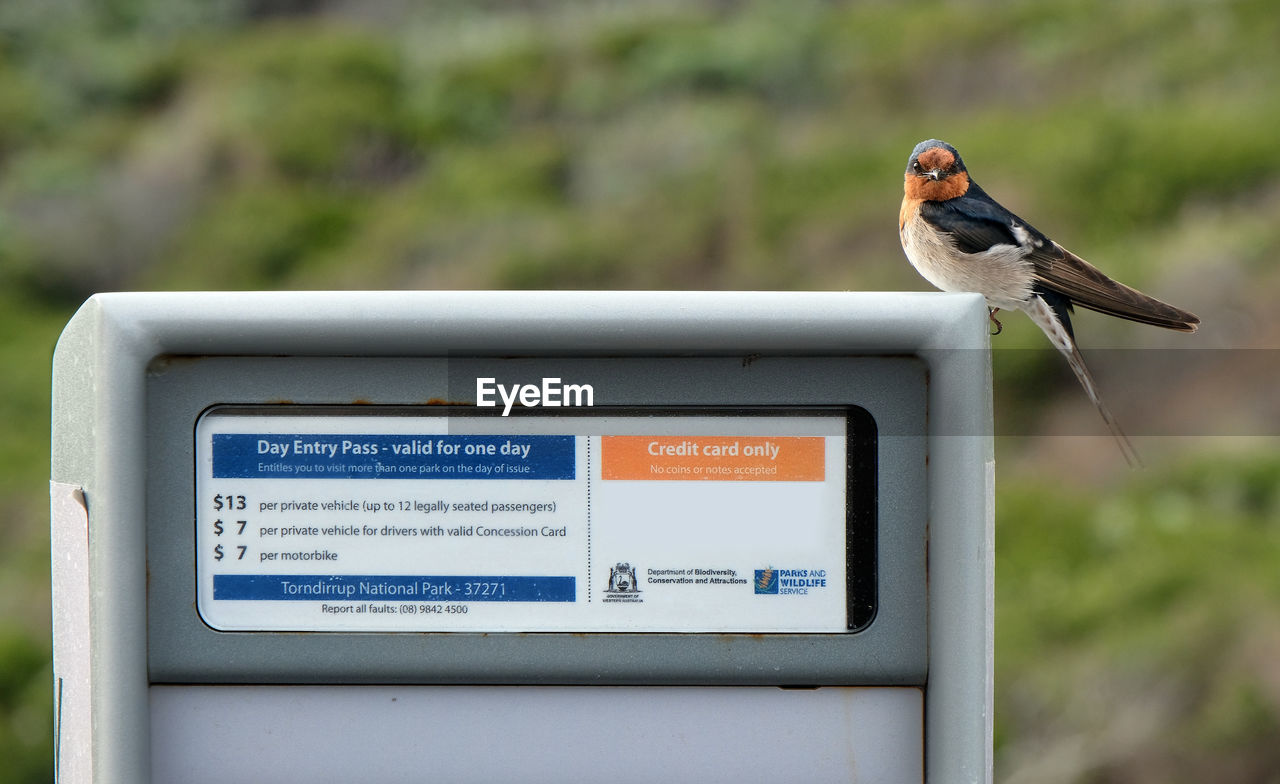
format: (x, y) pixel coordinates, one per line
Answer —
(709, 144)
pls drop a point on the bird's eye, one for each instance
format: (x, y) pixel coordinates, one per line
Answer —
(915, 166)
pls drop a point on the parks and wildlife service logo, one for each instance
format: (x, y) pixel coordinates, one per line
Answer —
(623, 586)
(799, 582)
(766, 581)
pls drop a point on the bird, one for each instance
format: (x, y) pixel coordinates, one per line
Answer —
(960, 239)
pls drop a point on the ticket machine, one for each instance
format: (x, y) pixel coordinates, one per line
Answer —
(502, 536)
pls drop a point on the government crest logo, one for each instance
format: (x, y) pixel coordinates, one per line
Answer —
(623, 585)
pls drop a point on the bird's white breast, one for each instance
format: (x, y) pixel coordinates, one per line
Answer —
(1001, 273)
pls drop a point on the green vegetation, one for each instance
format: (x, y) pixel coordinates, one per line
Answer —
(181, 144)
(1137, 630)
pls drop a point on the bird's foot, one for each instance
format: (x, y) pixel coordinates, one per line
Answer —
(991, 314)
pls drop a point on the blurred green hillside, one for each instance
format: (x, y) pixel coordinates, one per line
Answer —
(708, 144)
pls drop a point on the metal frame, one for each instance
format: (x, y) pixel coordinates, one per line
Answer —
(892, 650)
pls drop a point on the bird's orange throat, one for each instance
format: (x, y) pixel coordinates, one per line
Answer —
(925, 189)
(909, 207)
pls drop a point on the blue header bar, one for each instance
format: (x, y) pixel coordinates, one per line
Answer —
(384, 588)
(366, 456)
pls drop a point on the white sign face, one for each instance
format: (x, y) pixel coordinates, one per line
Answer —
(596, 523)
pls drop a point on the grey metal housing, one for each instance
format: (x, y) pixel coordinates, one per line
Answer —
(132, 371)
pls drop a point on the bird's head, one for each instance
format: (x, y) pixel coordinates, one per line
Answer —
(935, 172)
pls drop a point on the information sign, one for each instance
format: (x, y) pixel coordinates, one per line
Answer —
(403, 521)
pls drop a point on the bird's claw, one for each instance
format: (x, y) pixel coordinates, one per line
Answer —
(991, 314)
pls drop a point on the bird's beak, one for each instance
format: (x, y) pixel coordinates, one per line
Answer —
(934, 174)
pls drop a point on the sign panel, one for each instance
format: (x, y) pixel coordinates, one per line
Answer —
(399, 520)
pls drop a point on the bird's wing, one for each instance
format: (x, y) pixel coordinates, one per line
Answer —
(975, 221)
(1060, 270)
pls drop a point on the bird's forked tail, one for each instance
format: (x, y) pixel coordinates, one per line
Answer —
(1060, 335)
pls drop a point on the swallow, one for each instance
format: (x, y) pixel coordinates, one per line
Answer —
(960, 239)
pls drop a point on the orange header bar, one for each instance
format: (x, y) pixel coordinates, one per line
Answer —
(732, 458)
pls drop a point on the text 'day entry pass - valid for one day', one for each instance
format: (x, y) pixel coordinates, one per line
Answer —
(403, 521)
